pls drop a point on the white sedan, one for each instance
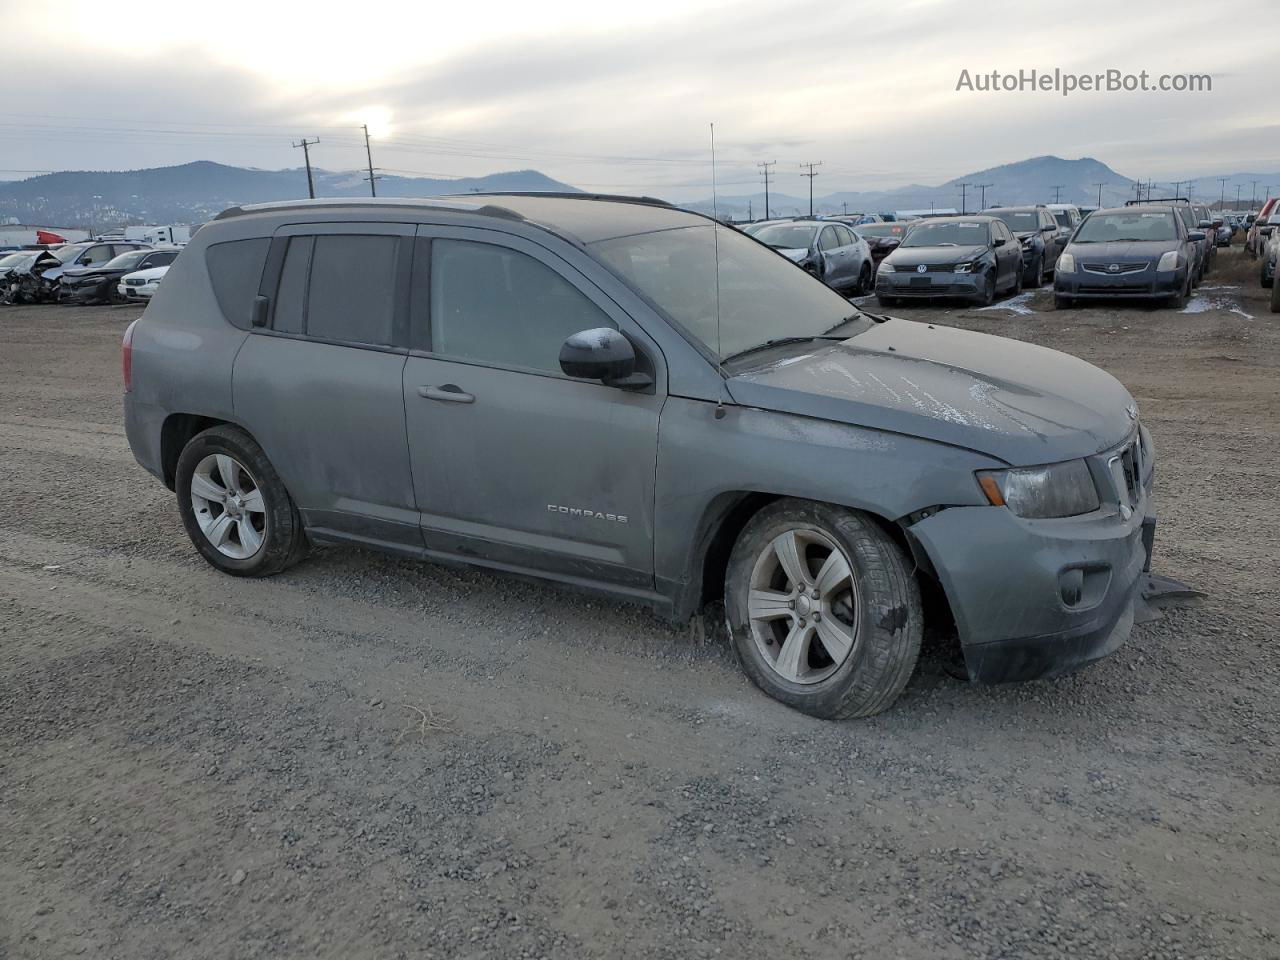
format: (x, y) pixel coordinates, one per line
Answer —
(141, 284)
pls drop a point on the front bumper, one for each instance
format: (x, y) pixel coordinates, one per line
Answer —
(932, 284)
(1149, 283)
(84, 292)
(141, 292)
(1039, 598)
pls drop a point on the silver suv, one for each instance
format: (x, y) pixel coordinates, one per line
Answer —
(622, 396)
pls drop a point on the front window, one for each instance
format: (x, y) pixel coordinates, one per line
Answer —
(761, 296)
(67, 254)
(787, 236)
(1136, 227)
(948, 233)
(1063, 218)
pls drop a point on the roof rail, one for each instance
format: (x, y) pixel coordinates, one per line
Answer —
(564, 195)
(447, 203)
(1151, 200)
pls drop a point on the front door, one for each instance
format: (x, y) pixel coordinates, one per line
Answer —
(513, 462)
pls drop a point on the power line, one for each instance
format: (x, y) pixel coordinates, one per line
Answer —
(811, 174)
(765, 166)
(306, 145)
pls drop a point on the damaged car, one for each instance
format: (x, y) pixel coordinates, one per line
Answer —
(832, 252)
(624, 397)
(22, 277)
(98, 284)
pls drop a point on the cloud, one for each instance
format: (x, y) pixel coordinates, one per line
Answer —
(621, 98)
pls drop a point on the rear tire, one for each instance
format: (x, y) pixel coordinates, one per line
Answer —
(1264, 279)
(239, 501)
(832, 562)
(864, 280)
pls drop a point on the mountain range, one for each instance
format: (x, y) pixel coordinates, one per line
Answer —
(194, 192)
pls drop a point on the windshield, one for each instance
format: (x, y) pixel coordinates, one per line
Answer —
(882, 229)
(1110, 227)
(67, 254)
(126, 260)
(15, 259)
(951, 233)
(762, 296)
(787, 236)
(1019, 221)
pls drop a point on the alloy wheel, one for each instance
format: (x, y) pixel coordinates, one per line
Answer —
(228, 506)
(802, 606)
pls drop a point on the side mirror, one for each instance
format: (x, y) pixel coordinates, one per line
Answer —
(998, 242)
(1047, 229)
(1265, 231)
(1205, 224)
(602, 354)
(1195, 236)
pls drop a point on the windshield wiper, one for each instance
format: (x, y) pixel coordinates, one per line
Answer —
(779, 342)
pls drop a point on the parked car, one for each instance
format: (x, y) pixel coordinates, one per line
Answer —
(1208, 224)
(972, 257)
(1067, 215)
(830, 251)
(22, 276)
(142, 284)
(1251, 244)
(883, 238)
(1038, 234)
(556, 394)
(99, 284)
(89, 254)
(1269, 246)
(1130, 252)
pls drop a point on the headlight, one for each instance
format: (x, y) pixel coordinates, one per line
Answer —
(886, 267)
(964, 267)
(1066, 264)
(1057, 490)
(1168, 261)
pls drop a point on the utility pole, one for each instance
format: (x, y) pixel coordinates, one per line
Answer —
(1177, 185)
(983, 188)
(1057, 191)
(373, 190)
(1254, 202)
(306, 144)
(1100, 186)
(765, 167)
(1238, 186)
(964, 207)
(811, 174)
(844, 206)
(1222, 194)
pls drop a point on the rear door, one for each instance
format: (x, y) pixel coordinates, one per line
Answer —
(514, 462)
(320, 386)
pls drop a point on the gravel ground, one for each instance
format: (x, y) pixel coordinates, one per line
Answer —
(370, 757)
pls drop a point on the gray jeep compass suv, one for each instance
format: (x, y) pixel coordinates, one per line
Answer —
(622, 396)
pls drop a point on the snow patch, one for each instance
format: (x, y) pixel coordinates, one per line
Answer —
(1019, 305)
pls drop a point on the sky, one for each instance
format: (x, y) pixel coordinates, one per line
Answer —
(621, 97)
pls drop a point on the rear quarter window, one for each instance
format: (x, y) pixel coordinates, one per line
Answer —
(235, 270)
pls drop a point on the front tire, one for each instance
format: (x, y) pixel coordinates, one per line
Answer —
(824, 613)
(1035, 274)
(234, 506)
(988, 295)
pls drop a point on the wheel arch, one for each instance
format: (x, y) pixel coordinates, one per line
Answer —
(175, 433)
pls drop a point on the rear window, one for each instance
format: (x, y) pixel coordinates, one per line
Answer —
(351, 296)
(235, 270)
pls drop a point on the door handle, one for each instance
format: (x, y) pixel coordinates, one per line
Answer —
(450, 393)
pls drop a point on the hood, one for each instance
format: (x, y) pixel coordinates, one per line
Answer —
(72, 273)
(151, 273)
(911, 256)
(1015, 401)
(795, 254)
(1117, 250)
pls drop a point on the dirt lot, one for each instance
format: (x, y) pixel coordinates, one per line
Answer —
(369, 757)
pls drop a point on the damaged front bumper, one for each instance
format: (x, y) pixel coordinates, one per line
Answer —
(1039, 598)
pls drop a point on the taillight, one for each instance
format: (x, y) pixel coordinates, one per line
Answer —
(126, 357)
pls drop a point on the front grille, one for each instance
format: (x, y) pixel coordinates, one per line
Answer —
(1121, 268)
(1125, 468)
(1116, 288)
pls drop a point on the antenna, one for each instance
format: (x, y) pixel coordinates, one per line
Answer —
(715, 239)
